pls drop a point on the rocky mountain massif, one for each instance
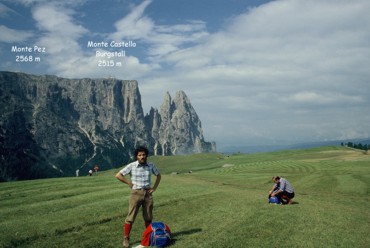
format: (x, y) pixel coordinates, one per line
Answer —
(52, 126)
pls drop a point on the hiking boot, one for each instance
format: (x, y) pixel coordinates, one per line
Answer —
(126, 241)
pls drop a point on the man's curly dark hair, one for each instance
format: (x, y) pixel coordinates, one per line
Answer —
(141, 149)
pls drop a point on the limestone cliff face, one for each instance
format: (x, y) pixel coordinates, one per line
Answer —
(51, 126)
(176, 128)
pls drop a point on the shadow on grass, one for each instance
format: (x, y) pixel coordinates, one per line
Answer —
(293, 203)
(187, 232)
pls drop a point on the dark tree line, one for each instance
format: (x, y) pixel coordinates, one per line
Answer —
(360, 146)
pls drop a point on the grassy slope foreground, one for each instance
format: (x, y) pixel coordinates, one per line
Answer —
(222, 203)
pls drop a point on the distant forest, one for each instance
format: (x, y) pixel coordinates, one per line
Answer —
(360, 146)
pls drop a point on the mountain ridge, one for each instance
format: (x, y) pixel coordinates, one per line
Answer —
(51, 126)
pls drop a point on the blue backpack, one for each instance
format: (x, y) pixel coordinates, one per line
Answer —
(274, 200)
(161, 235)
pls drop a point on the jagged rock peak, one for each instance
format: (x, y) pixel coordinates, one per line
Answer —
(178, 129)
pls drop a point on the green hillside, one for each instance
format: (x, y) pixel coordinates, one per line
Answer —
(208, 200)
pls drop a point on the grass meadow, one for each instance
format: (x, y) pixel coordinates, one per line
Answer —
(221, 203)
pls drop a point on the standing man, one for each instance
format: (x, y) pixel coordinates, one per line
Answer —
(141, 190)
(282, 190)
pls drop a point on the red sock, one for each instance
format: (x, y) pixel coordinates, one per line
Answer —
(147, 223)
(127, 230)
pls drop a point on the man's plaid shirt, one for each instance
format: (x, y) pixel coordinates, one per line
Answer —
(140, 174)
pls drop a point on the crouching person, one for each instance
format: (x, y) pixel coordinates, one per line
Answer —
(283, 190)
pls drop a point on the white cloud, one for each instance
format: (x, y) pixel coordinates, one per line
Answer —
(280, 59)
(161, 40)
(61, 24)
(67, 55)
(11, 35)
(134, 25)
(320, 99)
(60, 38)
(54, 2)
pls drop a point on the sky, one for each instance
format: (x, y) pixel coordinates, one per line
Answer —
(257, 72)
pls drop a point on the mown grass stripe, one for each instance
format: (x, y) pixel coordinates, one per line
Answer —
(213, 206)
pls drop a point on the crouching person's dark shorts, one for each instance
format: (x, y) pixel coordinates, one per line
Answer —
(288, 195)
